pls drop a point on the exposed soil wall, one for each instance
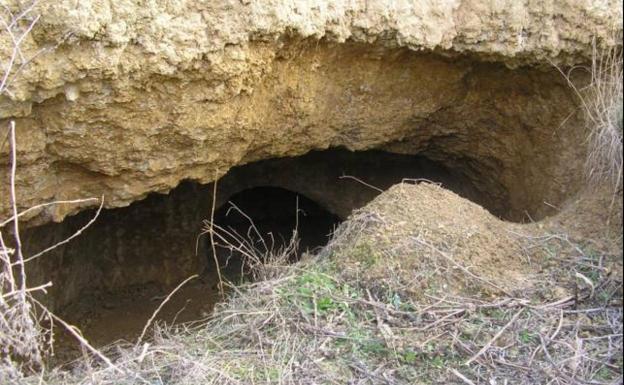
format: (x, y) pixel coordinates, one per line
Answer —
(514, 132)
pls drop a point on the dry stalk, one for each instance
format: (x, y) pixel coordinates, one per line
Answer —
(21, 328)
(457, 374)
(12, 26)
(74, 235)
(362, 182)
(44, 205)
(260, 262)
(496, 337)
(211, 233)
(75, 332)
(162, 304)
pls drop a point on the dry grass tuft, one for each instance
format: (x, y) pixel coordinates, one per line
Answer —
(601, 101)
(603, 107)
(261, 257)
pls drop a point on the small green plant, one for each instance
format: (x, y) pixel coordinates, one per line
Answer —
(437, 361)
(408, 357)
(364, 253)
(376, 348)
(526, 337)
(605, 374)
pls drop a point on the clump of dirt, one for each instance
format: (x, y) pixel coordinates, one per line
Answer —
(595, 214)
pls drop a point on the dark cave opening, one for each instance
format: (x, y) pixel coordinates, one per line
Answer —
(269, 220)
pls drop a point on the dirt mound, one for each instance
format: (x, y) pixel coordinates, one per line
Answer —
(593, 214)
(422, 236)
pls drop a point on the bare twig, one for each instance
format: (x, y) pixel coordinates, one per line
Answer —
(68, 239)
(43, 205)
(162, 304)
(361, 181)
(211, 233)
(496, 336)
(461, 377)
(74, 331)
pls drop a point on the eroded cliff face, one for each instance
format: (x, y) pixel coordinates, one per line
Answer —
(129, 98)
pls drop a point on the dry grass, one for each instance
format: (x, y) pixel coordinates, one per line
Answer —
(261, 256)
(604, 111)
(602, 106)
(409, 308)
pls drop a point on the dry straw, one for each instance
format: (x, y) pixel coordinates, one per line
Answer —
(601, 102)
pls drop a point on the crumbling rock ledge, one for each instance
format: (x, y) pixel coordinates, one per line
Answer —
(128, 98)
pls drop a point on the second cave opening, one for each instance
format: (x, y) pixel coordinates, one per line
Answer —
(267, 220)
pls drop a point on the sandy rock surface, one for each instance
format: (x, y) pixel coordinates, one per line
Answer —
(123, 98)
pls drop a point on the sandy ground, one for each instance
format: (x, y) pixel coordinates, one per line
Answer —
(106, 318)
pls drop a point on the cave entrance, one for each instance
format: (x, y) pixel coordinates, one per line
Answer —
(267, 220)
(111, 278)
